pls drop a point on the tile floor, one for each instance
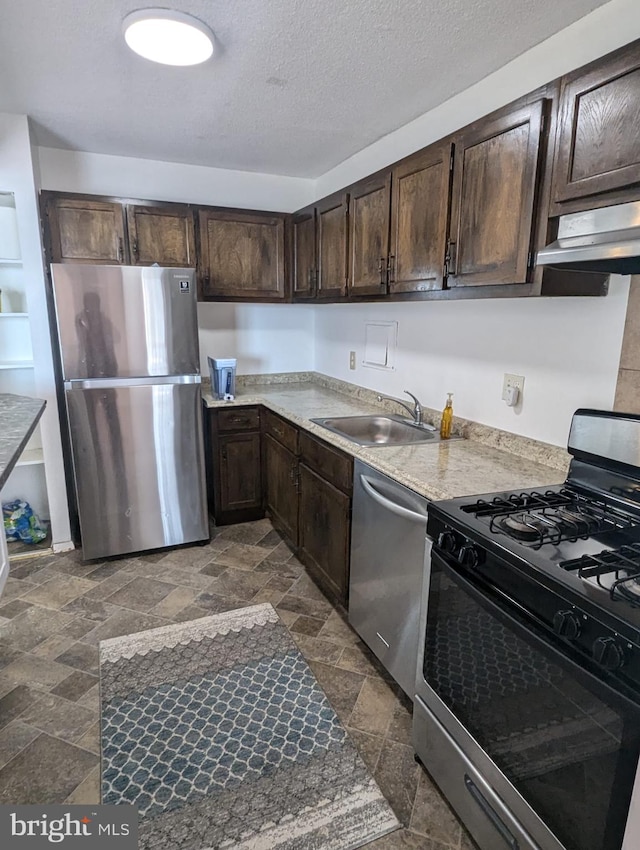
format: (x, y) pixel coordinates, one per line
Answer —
(56, 609)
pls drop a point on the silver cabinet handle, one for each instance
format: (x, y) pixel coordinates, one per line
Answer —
(414, 516)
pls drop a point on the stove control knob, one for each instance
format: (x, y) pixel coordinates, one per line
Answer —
(609, 653)
(567, 624)
(447, 542)
(469, 555)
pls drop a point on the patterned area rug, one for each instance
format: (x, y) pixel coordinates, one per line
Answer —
(218, 731)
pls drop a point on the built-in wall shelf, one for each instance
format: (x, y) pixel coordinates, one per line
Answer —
(30, 457)
(14, 315)
(7, 262)
(16, 364)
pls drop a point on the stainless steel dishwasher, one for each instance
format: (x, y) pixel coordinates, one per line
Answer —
(388, 549)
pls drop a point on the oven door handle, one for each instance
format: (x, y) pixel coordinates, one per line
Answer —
(414, 516)
(497, 823)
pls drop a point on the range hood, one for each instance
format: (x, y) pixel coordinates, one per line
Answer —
(604, 240)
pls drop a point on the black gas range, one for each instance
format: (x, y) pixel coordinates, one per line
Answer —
(527, 710)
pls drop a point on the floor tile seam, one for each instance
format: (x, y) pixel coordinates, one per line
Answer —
(37, 738)
(51, 608)
(30, 726)
(96, 768)
(60, 737)
(447, 844)
(372, 769)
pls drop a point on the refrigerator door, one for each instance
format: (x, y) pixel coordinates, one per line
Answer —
(125, 321)
(138, 461)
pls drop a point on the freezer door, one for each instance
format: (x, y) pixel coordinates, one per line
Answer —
(125, 321)
(139, 466)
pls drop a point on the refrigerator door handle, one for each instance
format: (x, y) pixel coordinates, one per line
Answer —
(112, 383)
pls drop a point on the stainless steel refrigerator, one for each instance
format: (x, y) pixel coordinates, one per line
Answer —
(128, 340)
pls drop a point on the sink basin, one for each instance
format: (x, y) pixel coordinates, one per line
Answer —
(378, 430)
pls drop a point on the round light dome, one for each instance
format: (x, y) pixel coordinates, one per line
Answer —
(169, 37)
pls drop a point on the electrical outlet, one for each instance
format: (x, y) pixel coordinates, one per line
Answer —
(512, 382)
(352, 360)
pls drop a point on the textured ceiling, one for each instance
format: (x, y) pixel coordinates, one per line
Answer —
(295, 87)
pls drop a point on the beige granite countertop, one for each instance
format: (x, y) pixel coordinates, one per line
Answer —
(440, 470)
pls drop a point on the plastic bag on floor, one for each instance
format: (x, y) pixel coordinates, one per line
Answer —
(20, 522)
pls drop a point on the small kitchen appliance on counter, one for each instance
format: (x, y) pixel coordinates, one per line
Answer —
(527, 712)
(128, 340)
(223, 377)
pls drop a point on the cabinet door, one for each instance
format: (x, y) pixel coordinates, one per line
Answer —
(369, 208)
(162, 235)
(419, 208)
(493, 199)
(86, 231)
(325, 529)
(242, 255)
(599, 144)
(332, 226)
(281, 471)
(304, 254)
(240, 472)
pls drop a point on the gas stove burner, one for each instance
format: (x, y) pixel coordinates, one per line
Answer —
(516, 526)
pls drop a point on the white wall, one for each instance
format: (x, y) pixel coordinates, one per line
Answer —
(607, 28)
(264, 338)
(128, 177)
(18, 174)
(568, 350)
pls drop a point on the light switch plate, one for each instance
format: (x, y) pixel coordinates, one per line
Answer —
(352, 360)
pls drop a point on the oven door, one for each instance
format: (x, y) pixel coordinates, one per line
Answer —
(554, 742)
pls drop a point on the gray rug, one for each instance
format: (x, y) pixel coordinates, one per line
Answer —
(219, 733)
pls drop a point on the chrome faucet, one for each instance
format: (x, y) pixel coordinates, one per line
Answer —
(416, 413)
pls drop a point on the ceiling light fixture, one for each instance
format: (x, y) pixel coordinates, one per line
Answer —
(172, 38)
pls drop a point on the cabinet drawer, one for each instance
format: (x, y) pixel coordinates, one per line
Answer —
(239, 419)
(282, 431)
(332, 464)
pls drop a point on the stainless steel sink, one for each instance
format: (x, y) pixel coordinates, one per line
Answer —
(378, 430)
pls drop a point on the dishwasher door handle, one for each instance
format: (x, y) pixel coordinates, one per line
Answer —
(414, 516)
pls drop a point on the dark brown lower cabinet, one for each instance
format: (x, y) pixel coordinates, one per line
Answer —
(234, 470)
(324, 532)
(308, 486)
(302, 483)
(281, 470)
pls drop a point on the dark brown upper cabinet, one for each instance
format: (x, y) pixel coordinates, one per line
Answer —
(241, 255)
(163, 235)
(84, 230)
(304, 253)
(598, 149)
(495, 175)
(320, 263)
(419, 209)
(332, 229)
(369, 213)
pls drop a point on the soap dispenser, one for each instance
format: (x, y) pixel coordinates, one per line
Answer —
(447, 418)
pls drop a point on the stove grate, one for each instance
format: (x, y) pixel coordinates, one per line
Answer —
(622, 565)
(535, 519)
